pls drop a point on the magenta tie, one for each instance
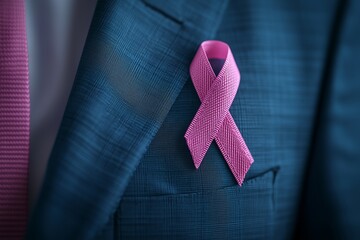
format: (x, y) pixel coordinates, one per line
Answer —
(213, 119)
(14, 120)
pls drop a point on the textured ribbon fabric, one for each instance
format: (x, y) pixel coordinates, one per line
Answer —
(14, 120)
(217, 86)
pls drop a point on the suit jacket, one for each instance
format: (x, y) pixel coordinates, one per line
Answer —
(120, 167)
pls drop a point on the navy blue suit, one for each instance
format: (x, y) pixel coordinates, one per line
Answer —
(120, 168)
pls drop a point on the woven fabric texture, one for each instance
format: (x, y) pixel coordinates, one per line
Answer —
(213, 120)
(120, 167)
(14, 120)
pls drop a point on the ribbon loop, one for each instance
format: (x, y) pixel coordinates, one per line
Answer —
(213, 119)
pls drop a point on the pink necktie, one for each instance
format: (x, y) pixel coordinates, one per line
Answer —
(213, 119)
(14, 120)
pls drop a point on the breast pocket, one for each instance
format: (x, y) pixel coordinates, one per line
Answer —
(228, 213)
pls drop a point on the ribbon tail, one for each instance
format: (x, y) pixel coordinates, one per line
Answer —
(198, 142)
(234, 149)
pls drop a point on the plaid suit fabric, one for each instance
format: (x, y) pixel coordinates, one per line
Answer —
(120, 167)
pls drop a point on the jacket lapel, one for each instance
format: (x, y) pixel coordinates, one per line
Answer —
(135, 63)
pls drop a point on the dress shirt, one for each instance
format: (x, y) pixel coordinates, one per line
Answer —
(56, 32)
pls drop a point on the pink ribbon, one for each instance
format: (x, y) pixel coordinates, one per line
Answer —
(213, 119)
